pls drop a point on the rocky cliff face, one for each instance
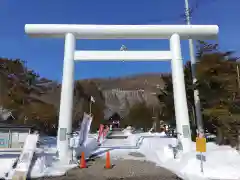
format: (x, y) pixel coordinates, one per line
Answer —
(121, 94)
(120, 101)
(118, 94)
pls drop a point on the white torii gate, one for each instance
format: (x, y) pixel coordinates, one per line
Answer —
(73, 32)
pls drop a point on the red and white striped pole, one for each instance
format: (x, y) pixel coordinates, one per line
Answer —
(101, 127)
(105, 132)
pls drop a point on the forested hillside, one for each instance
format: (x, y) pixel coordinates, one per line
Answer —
(219, 89)
(35, 100)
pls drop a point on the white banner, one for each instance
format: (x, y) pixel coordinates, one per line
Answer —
(85, 128)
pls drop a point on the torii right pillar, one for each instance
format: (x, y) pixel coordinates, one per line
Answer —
(180, 100)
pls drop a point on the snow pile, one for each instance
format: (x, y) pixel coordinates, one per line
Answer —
(48, 165)
(128, 130)
(161, 134)
(45, 162)
(220, 162)
(90, 146)
(6, 165)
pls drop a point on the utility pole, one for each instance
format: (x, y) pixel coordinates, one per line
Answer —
(238, 77)
(154, 115)
(238, 81)
(154, 119)
(193, 69)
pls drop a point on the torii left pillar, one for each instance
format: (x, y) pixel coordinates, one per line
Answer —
(66, 103)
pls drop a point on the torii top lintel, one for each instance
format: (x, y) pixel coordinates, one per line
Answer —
(86, 31)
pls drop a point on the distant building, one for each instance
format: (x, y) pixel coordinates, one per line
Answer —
(14, 136)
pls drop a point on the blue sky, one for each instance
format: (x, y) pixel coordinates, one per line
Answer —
(46, 55)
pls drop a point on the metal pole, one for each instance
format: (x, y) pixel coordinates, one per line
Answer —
(154, 119)
(194, 116)
(201, 161)
(193, 69)
(90, 107)
(238, 81)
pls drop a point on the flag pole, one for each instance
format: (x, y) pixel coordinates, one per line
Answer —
(92, 100)
(90, 108)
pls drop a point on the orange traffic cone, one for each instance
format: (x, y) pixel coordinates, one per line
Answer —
(82, 161)
(108, 162)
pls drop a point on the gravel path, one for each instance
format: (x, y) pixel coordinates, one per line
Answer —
(122, 170)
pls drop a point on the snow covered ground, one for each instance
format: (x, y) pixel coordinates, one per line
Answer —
(221, 162)
(45, 159)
